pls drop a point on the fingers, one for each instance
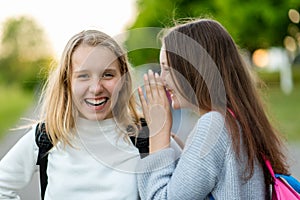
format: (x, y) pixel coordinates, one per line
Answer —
(147, 87)
(154, 86)
(142, 98)
(155, 94)
(143, 102)
(160, 86)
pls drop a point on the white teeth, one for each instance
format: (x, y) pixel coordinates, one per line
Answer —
(95, 102)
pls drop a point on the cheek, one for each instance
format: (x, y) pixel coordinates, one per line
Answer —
(163, 74)
(169, 81)
(113, 85)
(78, 89)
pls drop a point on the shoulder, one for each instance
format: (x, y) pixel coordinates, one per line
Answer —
(42, 138)
(211, 122)
(209, 135)
(212, 117)
(25, 145)
(29, 134)
(33, 135)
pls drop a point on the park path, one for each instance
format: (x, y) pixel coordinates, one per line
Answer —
(31, 191)
(294, 159)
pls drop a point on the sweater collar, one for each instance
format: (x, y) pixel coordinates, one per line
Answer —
(89, 124)
(87, 129)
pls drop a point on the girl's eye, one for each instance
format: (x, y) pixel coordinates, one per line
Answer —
(83, 76)
(166, 69)
(108, 75)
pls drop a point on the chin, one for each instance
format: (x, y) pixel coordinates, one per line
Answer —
(103, 117)
(96, 116)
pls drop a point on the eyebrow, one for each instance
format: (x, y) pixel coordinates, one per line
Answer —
(86, 70)
(80, 70)
(109, 69)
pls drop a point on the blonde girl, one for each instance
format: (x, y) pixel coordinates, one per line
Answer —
(89, 114)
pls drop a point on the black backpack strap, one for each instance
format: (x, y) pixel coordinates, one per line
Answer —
(142, 141)
(44, 143)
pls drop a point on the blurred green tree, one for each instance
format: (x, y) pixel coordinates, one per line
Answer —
(253, 24)
(24, 52)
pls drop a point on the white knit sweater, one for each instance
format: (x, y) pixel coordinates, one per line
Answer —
(101, 165)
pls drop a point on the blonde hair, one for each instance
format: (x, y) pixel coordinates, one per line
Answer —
(57, 109)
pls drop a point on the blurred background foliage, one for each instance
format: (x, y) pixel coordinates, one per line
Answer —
(254, 24)
(24, 61)
(24, 52)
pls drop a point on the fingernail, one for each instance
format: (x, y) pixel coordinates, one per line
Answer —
(150, 71)
(156, 75)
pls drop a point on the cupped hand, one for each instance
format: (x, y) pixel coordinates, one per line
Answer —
(157, 113)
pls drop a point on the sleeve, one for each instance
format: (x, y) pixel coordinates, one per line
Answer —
(18, 166)
(196, 172)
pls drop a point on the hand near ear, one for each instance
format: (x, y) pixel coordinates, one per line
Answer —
(156, 109)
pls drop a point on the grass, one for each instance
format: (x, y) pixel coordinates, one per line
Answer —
(285, 110)
(14, 102)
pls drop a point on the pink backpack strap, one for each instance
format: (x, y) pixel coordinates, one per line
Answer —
(268, 164)
(231, 112)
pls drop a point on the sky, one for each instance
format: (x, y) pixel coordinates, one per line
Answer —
(61, 19)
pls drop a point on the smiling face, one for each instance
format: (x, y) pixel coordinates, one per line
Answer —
(178, 101)
(95, 77)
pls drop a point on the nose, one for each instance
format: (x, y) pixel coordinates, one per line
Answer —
(96, 86)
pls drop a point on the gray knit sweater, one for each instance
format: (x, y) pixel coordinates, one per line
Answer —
(207, 165)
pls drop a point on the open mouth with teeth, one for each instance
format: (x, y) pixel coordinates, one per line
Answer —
(96, 103)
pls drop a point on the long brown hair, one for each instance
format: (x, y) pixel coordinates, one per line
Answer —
(237, 92)
(57, 110)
